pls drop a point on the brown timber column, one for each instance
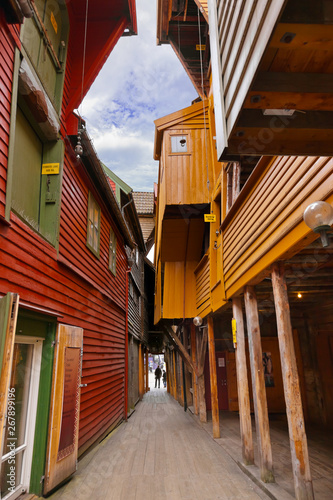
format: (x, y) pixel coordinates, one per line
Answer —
(291, 385)
(258, 386)
(147, 372)
(194, 377)
(140, 372)
(243, 385)
(213, 379)
(174, 383)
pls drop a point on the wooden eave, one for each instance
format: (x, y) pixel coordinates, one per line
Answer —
(106, 23)
(177, 118)
(295, 73)
(178, 25)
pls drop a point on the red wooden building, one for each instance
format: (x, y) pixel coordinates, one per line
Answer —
(62, 243)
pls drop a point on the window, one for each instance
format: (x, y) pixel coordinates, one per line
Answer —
(179, 143)
(113, 252)
(93, 228)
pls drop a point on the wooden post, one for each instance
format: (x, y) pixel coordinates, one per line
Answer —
(181, 381)
(201, 355)
(291, 385)
(147, 372)
(258, 386)
(194, 377)
(213, 379)
(140, 372)
(174, 384)
(243, 385)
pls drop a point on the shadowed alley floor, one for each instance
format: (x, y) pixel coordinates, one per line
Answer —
(162, 453)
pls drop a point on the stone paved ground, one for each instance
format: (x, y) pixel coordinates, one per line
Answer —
(160, 453)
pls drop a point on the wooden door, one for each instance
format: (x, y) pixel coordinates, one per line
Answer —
(63, 435)
(222, 384)
(8, 318)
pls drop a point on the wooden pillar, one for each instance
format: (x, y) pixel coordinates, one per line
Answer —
(213, 379)
(181, 381)
(194, 377)
(243, 385)
(147, 372)
(140, 372)
(174, 384)
(258, 386)
(291, 385)
(202, 400)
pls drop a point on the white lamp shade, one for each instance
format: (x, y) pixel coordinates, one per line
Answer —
(318, 214)
(197, 321)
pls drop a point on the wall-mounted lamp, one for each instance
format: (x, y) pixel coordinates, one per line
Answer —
(319, 217)
(197, 321)
(299, 295)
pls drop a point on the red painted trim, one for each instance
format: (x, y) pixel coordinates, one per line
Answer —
(132, 9)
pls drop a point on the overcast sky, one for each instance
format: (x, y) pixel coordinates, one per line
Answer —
(139, 83)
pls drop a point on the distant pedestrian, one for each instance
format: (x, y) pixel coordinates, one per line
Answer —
(158, 374)
(164, 378)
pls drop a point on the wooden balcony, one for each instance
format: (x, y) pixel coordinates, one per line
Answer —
(266, 221)
(272, 77)
(202, 277)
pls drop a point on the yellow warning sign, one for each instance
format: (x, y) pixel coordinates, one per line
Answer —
(54, 23)
(234, 332)
(210, 217)
(200, 47)
(50, 168)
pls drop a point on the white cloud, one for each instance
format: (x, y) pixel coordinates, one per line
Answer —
(139, 83)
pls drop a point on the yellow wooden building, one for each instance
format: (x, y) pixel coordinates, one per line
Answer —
(253, 281)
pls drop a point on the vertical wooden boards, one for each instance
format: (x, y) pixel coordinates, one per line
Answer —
(258, 386)
(8, 318)
(243, 385)
(213, 378)
(194, 377)
(291, 384)
(62, 447)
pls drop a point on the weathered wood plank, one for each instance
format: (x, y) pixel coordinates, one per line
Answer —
(213, 378)
(258, 386)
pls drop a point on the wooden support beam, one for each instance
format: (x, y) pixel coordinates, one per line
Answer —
(174, 375)
(172, 334)
(140, 371)
(202, 336)
(291, 385)
(243, 385)
(202, 347)
(147, 372)
(258, 386)
(299, 83)
(213, 379)
(194, 376)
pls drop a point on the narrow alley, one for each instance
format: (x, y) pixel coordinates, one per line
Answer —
(162, 453)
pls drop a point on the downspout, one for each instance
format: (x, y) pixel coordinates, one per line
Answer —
(126, 345)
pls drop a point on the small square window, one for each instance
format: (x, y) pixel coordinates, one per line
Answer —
(93, 227)
(113, 253)
(179, 144)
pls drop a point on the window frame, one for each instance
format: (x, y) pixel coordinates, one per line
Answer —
(92, 203)
(113, 252)
(186, 136)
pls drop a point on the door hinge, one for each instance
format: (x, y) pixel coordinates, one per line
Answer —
(42, 479)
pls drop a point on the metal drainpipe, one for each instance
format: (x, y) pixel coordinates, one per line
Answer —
(126, 344)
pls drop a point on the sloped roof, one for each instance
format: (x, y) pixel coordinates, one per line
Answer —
(144, 202)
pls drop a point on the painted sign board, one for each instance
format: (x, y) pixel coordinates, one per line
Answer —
(210, 218)
(50, 168)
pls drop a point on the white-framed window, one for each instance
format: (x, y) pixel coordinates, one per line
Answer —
(113, 252)
(179, 143)
(93, 226)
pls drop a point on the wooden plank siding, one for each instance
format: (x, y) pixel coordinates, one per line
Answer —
(179, 290)
(239, 30)
(269, 211)
(202, 277)
(79, 287)
(7, 48)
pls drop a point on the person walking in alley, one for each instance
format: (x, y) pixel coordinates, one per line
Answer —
(158, 374)
(164, 378)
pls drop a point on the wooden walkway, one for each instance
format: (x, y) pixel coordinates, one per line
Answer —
(160, 453)
(320, 443)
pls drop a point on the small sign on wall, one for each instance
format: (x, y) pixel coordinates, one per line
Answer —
(221, 362)
(210, 218)
(50, 168)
